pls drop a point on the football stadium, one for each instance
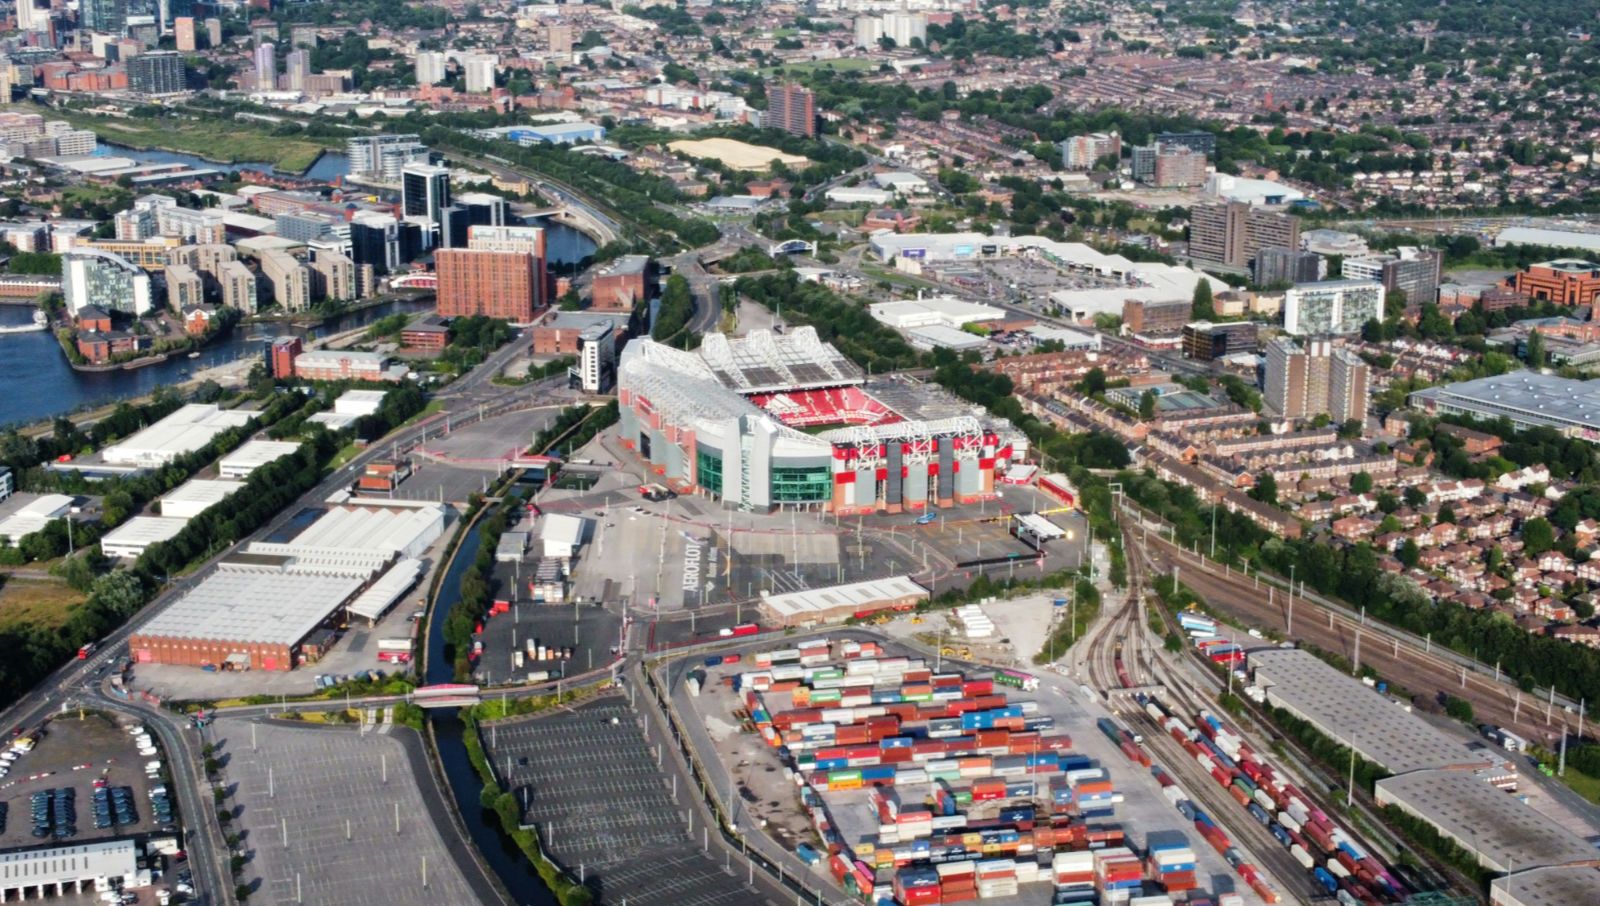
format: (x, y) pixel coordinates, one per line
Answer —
(785, 420)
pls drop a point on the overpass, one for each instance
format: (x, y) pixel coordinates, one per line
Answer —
(581, 220)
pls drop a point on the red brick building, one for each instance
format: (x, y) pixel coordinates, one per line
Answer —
(98, 347)
(427, 335)
(284, 350)
(1566, 281)
(496, 284)
(623, 284)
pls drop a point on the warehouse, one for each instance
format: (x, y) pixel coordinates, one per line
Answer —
(830, 605)
(194, 497)
(184, 431)
(1344, 709)
(1527, 398)
(562, 535)
(946, 311)
(252, 456)
(1546, 887)
(246, 613)
(63, 870)
(388, 527)
(132, 537)
(34, 515)
(359, 402)
(1499, 830)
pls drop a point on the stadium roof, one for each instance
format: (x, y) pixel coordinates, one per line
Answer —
(254, 605)
(765, 361)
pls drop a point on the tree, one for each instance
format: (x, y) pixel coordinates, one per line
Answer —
(1447, 513)
(1458, 708)
(1360, 483)
(1414, 497)
(1409, 553)
(1387, 502)
(1147, 405)
(1266, 489)
(1203, 308)
(1535, 353)
(1538, 536)
(1094, 382)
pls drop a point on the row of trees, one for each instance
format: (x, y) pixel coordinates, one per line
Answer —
(674, 313)
(838, 320)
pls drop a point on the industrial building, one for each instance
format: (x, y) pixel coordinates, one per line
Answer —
(195, 496)
(725, 421)
(838, 602)
(132, 537)
(256, 610)
(1546, 887)
(186, 430)
(1500, 831)
(1332, 306)
(1527, 398)
(29, 874)
(252, 456)
(1345, 710)
(944, 311)
(35, 515)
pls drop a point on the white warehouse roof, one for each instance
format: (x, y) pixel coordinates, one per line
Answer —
(373, 527)
(795, 606)
(184, 431)
(381, 595)
(253, 455)
(358, 402)
(934, 310)
(254, 605)
(132, 537)
(195, 496)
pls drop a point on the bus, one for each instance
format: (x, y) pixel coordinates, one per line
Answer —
(86, 650)
(1016, 679)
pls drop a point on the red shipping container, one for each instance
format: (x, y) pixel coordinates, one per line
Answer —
(898, 755)
(977, 687)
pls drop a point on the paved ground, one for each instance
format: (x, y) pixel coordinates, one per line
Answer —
(486, 444)
(592, 788)
(313, 780)
(73, 754)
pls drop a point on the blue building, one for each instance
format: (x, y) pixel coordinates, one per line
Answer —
(557, 133)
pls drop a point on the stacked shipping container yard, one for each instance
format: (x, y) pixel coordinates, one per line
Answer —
(970, 793)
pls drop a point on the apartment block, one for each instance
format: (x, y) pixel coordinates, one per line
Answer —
(1303, 381)
(184, 288)
(499, 284)
(1232, 233)
(1081, 151)
(289, 280)
(1410, 270)
(333, 277)
(1331, 306)
(238, 286)
(1287, 265)
(792, 109)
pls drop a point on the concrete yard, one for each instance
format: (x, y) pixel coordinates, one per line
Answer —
(488, 444)
(312, 781)
(603, 808)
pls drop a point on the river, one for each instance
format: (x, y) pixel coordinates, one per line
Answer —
(498, 850)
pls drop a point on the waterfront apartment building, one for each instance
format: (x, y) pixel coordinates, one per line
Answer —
(1410, 270)
(289, 280)
(333, 277)
(1287, 265)
(185, 289)
(98, 278)
(382, 157)
(1081, 151)
(793, 109)
(1331, 306)
(1304, 381)
(499, 284)
(1232, 233)
(1565, 281)
(238, 286)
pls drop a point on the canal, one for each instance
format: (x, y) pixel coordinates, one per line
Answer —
(497, 848)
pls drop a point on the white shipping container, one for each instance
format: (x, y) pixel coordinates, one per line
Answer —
(1264, 799)
(1287, 820)
(1230, 899)
(1174, 795)
(1303, 857)
(1337, 869)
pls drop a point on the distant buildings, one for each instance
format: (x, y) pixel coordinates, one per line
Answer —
(107, 281)
(430, 67)
(1081, 151)
(157, 72)
(1141, 317)
(792, 108)
(183, 34)
(381, 157)
(1413, 271)
(1332, 307)
(1232, 233)
(1565, 281)
(288, 278)
(1169, 167)
(1288, 265)
(479, 70)
(1529, 399)
(266, 61)
(1315, 379)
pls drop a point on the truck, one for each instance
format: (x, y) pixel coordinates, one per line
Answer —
(394, 657)
(394, 645)
(1508, 740)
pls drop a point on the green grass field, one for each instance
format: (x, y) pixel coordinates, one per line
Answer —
(848, 64)
(43, 604)
(227, 142)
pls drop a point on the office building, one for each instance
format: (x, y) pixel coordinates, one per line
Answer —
(382, 157)
(792, 109)
(158, 72)
(183, 34)
(1206, 342)
(1081, 151)
(238, 287)
(213, 32)
(1565, 281)
(623, 284)
(1145, 318)
(1178, 168)
(108, 17)
(1412, 271)
(499, 284)
(1331, 306)
(375, 241)
(597, 358)
(454, 224)
(424, 191)
(296, 69)
(484, 209)
(184, 287)
(346, 365)
(107, 281)
(1286, 265)
(478, 70)
(430, 67)
(1304, 381)
(1232, 233)
(288, 279)
(266, 60)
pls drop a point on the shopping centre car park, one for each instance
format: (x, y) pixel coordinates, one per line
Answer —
(592, 789)
(720, 721)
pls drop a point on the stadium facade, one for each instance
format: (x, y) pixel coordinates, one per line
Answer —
(727, 420)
